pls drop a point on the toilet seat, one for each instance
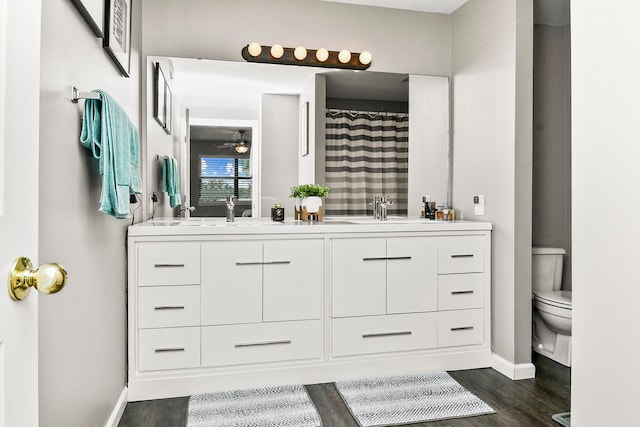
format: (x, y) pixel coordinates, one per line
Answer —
(560, 299)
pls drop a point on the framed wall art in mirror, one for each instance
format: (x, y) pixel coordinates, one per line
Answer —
(93, 13)
(168, 102)
(159, 95)
(117, 33)
(304, 129)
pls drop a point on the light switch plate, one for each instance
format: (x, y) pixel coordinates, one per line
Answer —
(478, 204)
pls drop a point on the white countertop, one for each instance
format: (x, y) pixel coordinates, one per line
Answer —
(219, 226)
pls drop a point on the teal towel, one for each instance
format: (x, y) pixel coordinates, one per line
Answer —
(171, 181)
(113, 139)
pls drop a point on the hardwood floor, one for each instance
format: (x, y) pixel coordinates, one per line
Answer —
(517, 403)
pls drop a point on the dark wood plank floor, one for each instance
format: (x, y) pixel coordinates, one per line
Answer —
(517, 403)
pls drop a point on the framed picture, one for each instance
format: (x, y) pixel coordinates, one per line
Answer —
(117, 33)
(304, 129)
(159, 88)
(168, 102)
(93, 13)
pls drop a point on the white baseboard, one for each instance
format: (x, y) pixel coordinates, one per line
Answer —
(521, 371)
(118, 410)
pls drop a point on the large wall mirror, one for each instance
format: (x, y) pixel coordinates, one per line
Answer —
(255, 130)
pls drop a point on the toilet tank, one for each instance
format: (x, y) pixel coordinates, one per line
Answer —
(546, 268)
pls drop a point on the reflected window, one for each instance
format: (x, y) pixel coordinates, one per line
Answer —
(220, 177)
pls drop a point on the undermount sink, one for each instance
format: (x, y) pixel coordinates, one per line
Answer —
(389, 220)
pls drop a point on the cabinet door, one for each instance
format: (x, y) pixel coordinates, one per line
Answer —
(412, 275)
(292, 280)
(358, 277)
(231, 288)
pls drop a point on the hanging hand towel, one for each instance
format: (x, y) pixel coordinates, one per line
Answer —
(113, 139)
(171, 181)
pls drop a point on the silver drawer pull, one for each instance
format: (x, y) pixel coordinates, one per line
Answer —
(276, 262)
(462, 256)
(169, 349)
(398, 257)
(168, 265)
(259, 343)
(169, 307)
(462, 328)
(461, 292)
(375, 259)
(386, 334)
(249, 263)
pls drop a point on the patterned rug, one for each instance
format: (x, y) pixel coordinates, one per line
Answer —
(282, 406)
(409, 399)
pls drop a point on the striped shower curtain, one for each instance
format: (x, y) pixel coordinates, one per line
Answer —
(366, 156)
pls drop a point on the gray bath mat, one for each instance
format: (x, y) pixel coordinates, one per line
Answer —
(281, 406)
(409, 399)
(563, 418)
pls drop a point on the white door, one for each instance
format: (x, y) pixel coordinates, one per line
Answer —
(19, 111)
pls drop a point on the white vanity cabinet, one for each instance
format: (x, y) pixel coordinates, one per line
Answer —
(227, 307)
(168, 305)
(461, 284)
(255, 281)
(261, 301)
(383, 295)
(377, 276)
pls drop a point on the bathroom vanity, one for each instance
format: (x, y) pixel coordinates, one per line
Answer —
(214, 305)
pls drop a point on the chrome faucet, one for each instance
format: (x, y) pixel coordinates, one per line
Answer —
(380, 204)
(384, 203)
(231, 204)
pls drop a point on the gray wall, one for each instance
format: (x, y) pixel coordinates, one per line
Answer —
(82, 329)
(552, 141)
(491, 49)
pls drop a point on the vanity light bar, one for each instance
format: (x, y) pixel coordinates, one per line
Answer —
(277, 54)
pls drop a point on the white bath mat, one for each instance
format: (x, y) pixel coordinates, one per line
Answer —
(281, 406)
(409, 399)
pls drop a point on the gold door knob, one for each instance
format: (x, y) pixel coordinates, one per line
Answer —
(47, 279)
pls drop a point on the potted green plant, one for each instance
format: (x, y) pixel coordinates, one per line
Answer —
(309, 195)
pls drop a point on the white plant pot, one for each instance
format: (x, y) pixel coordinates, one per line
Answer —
(312, 203)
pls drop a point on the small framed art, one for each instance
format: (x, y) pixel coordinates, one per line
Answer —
(304, 129)
(159, 95)
(117, 33)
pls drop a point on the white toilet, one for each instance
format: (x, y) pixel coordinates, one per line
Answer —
(551, 306)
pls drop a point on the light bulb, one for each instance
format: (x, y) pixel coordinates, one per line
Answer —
(344, 56)
(365, 58)
(254, 49)
(322, 54)
(277, 51)
(300, 53)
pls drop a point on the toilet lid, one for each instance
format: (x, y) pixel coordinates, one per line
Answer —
(557, 298)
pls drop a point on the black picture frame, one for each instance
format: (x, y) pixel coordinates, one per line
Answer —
(168, 103)
(159, 95)
(117, 33)
(93, 13)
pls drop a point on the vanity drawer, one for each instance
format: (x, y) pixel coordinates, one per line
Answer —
(460, 254)
(168, 306)
(383, 334)
(168, 263)
(460, 291)
(261, 342)
(169, 348)
(460, 327)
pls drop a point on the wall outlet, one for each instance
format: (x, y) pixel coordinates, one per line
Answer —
(478, 204)
(154, 197)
